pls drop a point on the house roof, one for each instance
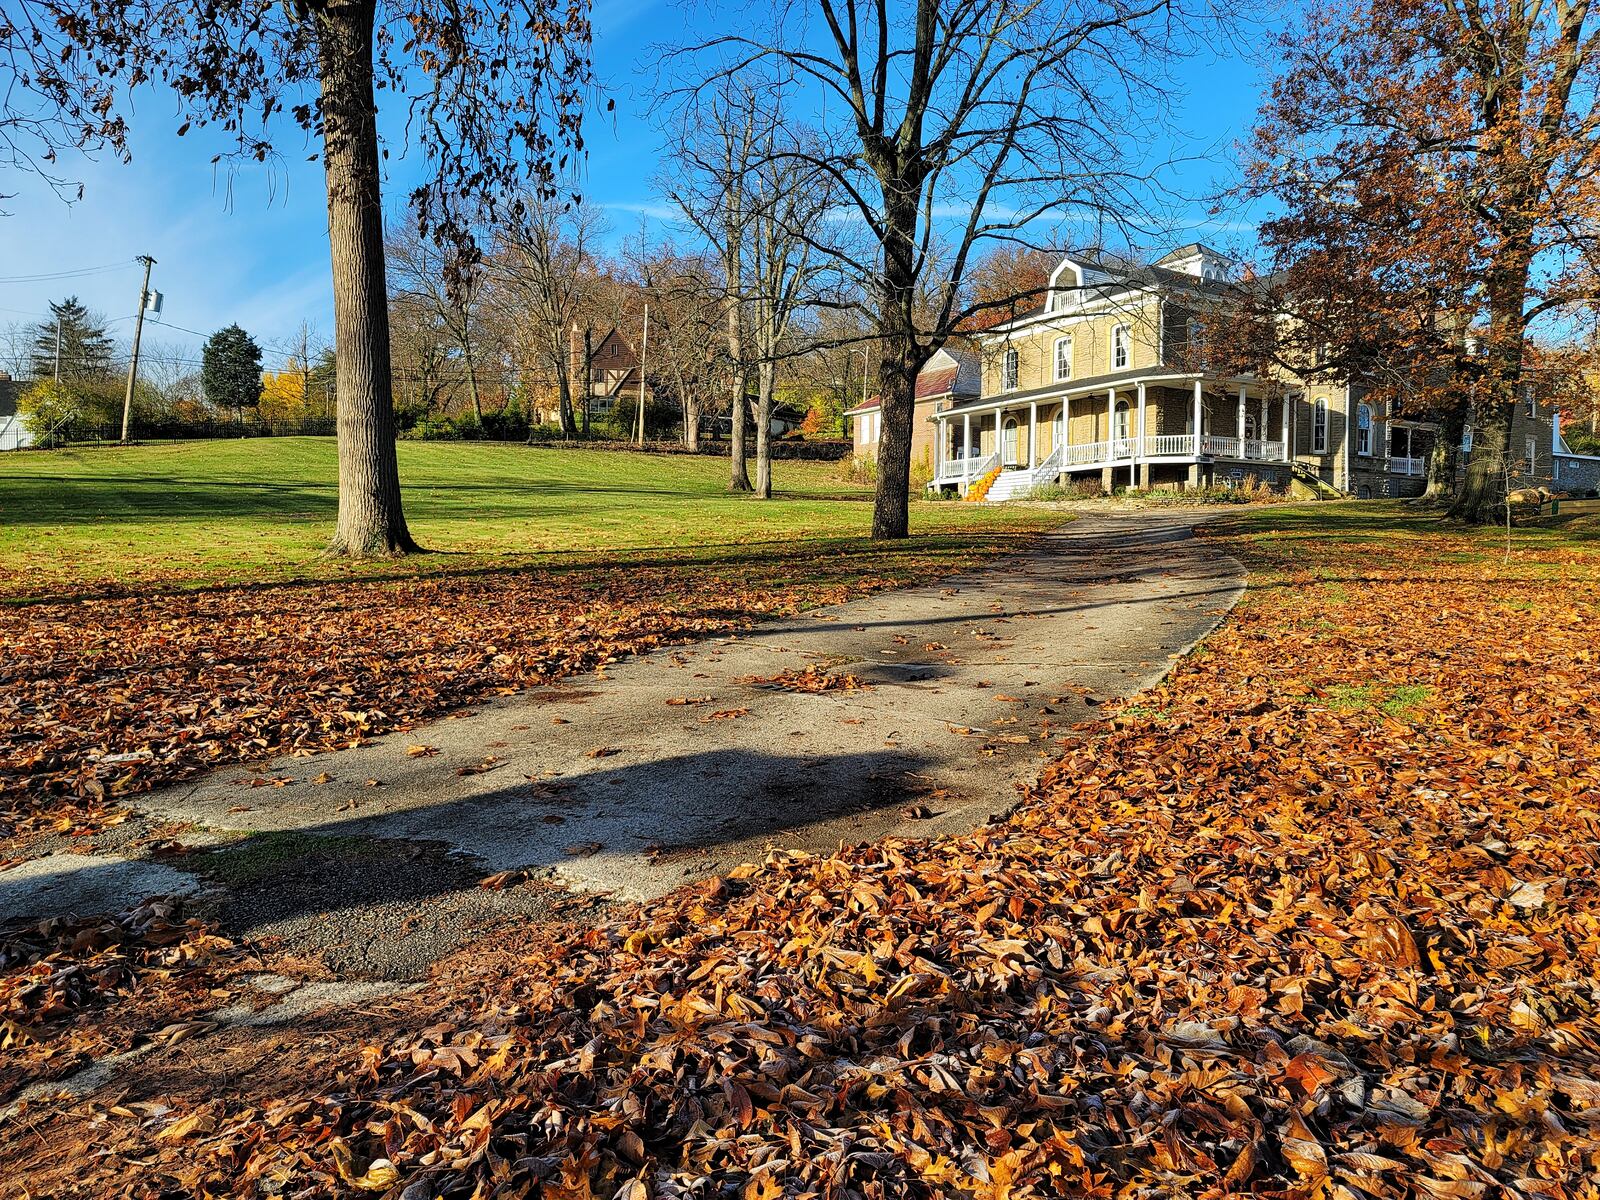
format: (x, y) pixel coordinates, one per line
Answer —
(936, 383)
(10, 392)
(865, 406)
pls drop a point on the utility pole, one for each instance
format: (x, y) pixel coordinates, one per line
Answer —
(138, 330)
(644, 349)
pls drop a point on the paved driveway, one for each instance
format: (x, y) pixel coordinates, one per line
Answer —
(685, 762)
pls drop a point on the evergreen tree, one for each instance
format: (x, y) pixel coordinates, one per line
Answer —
(230, 370)
(85, 345)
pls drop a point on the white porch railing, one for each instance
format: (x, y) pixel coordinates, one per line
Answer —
(1251, 449)
(1169, 445)
(957, 471)
(960, 470)
(1408, 466)
(1087, 454)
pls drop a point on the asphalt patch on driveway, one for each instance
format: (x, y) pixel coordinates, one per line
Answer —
(361, 907)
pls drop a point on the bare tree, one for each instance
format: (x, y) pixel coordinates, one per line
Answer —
(493, 96)
(687, 327)
(745, 144)
(715, 147)
(544, 269)
(419, 269)
(962, 123)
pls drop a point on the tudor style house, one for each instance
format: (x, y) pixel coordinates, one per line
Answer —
(1107, 381)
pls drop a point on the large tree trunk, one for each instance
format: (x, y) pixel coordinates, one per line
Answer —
(569, 424)
(691, 421)
(897, 387)
(765, 382)
(472, 386)
(902, 358)
(1481, 500)
(1444, 459)
(738, 419)
(370, 522)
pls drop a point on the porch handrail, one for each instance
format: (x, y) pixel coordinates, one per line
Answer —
(983, 466)
(1049, 468)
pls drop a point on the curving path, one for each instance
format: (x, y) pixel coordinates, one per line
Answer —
(604, 784)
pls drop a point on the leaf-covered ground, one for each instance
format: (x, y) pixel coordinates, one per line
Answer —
(107, 697)
(1317, 917)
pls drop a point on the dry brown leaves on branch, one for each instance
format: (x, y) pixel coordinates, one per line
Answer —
(1316, 918)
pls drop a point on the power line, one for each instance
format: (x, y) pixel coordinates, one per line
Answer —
(77, 274)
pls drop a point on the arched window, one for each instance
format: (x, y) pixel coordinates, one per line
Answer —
(1011, 451)
(1249, 427)
(1121, 347)
(1121, 428)
(1364, 430)
(1319, 427)
(1008, 371)
(1064, 357)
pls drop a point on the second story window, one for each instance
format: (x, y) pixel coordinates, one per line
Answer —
(1319, 427)
(1008, 371)
(1530, 406)
(1363, 431)
(1064, 357)
(1121, 347)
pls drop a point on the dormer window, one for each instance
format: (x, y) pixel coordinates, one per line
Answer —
(1121, 347)
(1008, 371)
(1064, 357)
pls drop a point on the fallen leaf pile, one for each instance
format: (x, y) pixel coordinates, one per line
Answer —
(1317, 917)
(106, 697)
(53, 974)
(813, 679)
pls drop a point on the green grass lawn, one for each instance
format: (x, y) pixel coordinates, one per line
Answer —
(200, 513)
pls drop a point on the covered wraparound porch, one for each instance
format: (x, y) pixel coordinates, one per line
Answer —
(1132, 425)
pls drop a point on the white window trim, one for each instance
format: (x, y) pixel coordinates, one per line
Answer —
(1010, 370)
(1064, 340)
(1319, 429)
(1124, 332)
(1364, 432)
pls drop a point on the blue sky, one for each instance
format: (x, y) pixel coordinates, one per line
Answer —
(250, 246)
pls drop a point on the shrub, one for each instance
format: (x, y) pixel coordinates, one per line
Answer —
(50, 409)
(1082, 489)
(860, 471)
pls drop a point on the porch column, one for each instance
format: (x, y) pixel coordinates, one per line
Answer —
(1288, 447)
(1238, 428)
(1033, 434)
(966, 450)
(999, 440)
(1139, 447)
(1198, 403)
(1111, 424)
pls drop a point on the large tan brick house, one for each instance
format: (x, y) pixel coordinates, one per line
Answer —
(1107, 380)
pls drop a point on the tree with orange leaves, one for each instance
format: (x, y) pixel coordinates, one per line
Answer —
(1435, 166)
